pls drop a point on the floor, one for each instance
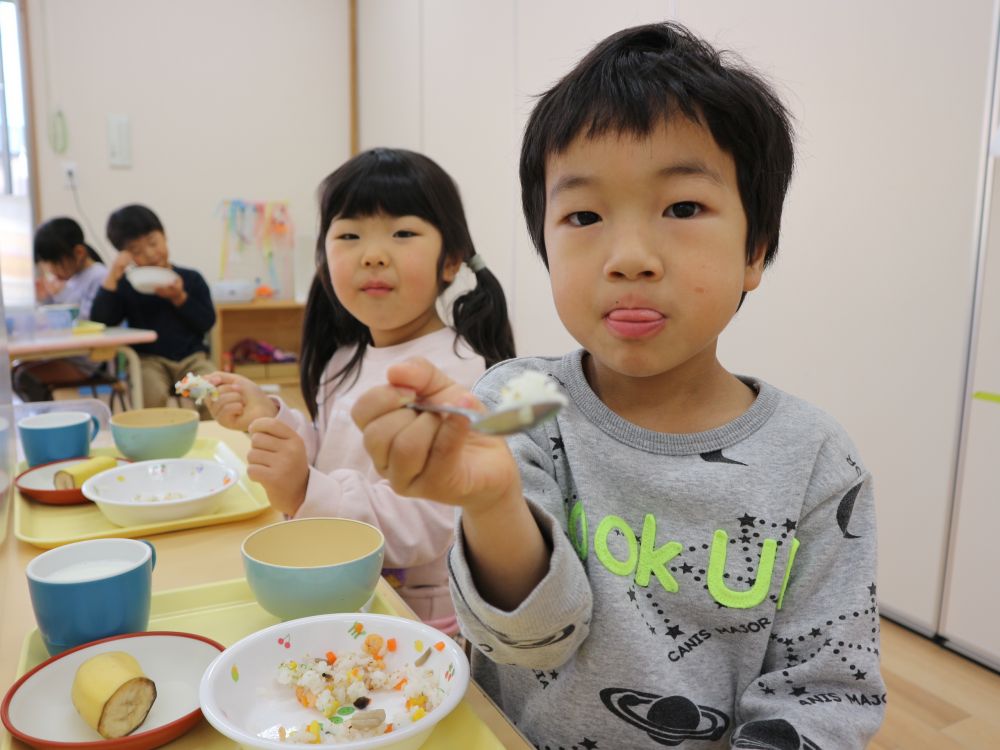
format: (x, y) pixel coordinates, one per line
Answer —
(938, 700)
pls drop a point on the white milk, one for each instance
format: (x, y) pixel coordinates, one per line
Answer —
(89, 570)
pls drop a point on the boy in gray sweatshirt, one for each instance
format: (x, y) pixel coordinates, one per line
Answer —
(682, 557)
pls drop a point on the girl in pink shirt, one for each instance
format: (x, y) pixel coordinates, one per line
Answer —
(394, 238)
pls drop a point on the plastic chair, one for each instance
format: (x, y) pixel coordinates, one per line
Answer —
(100, 377)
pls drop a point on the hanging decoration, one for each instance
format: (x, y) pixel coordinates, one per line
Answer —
(258, 240)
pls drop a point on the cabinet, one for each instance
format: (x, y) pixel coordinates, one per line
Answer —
(278, 322)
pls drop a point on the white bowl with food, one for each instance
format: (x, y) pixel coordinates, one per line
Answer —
(354, 680)
(147, 279)
(160, 490)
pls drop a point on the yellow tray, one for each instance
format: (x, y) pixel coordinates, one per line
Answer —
(50, 526)
(226, 612)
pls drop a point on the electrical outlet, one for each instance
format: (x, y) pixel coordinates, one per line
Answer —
(71, 179)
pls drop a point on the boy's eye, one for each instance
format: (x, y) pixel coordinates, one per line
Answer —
(346, 236)
(683, 210)
(583, 218)
(404, 233)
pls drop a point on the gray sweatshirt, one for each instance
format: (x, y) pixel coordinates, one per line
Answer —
(711, 590)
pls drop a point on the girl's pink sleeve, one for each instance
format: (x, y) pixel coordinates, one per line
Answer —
(416, 531)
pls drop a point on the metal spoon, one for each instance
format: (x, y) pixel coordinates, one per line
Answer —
(502, 422)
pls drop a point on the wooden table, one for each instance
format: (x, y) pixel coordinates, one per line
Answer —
(187, 558)
(99, 347)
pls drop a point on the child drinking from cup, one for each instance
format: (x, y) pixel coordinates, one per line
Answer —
(394, 237)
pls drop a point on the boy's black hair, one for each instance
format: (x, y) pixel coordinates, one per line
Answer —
(56, 239)
(130, 223)
(639, 77)
(395, 182)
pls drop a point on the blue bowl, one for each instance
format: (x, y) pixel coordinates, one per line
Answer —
(162, 432)
(313, 566)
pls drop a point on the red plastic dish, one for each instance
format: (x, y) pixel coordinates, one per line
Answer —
(38, 711)
(38, 483)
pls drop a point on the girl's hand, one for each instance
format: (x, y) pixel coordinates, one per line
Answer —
(240, 401)
(277, 459)
(429, 455)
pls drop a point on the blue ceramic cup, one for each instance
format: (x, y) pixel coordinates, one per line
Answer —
(57, 435)
(313, 566)
(90, 590)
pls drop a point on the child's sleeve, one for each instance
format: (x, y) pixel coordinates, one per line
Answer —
(108, 307)
(197, 312)
(820, 680)
(546, 629)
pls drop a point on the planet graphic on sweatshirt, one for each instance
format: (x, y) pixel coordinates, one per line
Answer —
(771, 734)
(669, 720)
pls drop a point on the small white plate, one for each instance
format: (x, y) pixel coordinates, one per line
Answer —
(147, 279)
(37, 709)
(160, 490)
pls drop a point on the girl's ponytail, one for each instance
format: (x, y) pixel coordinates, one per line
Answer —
(480, 317)
(93, 254)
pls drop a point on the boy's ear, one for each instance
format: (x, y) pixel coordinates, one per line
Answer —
(755, 268)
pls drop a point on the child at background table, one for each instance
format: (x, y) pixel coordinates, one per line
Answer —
(683, 556)
(181, 312)
(393, 239)
(69, 272)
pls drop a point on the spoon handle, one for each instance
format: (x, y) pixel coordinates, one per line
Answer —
(441, 409)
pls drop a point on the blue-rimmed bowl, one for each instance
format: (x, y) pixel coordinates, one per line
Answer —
(313, 566)
(159, 432)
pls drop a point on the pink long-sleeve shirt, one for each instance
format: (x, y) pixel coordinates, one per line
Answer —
(343, 482)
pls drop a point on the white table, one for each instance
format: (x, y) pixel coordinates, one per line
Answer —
(99, 346)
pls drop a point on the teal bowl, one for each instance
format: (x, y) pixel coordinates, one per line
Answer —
(162, 432)
(313, 566)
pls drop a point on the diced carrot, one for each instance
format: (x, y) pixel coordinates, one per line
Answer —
(388, 728)
(391, 645)
(331, 657)
(399, 685)
(439, 645)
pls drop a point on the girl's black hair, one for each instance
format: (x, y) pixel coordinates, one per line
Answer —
(56, 239)
(396, 182)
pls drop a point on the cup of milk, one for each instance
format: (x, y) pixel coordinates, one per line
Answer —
(90, 590)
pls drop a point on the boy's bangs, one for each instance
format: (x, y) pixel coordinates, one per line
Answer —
(384, 188)
(625, 105)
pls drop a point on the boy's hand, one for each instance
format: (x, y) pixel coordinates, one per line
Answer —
(174, 292)
(122, 261)
(430, 456)
(240, 401)
(277, 459)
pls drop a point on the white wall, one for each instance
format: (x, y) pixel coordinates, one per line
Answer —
(227, 99)
(866, 311)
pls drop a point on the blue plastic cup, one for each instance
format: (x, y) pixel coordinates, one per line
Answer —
(86, 591)
(57, 435)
